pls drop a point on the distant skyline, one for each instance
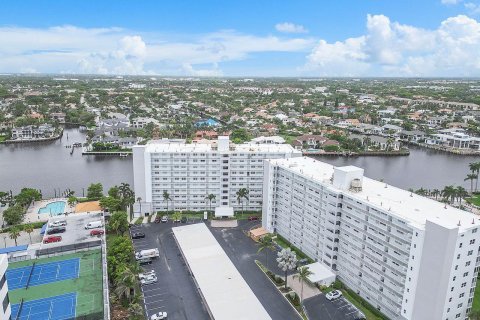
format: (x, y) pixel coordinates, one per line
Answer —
(352, 38)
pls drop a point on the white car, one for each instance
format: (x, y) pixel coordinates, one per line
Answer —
(146, 274)
(159, 316)
(61, 223)
(164, 219)
(149, 279)
(332, 295)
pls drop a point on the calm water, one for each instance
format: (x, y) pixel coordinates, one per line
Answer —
(49, 166)
(422, 168)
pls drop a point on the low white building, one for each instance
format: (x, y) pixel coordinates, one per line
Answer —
(409, 256)
(454, 138)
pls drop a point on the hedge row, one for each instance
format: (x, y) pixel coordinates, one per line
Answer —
(21, 227)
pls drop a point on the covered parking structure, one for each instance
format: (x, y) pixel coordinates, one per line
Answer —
(222, 287)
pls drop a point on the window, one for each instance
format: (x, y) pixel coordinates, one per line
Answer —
(470, 253)
(472, 241)
(467, 263)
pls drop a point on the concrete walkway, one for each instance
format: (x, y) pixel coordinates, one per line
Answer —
(308, 291)
(224, 223)
(23, 239)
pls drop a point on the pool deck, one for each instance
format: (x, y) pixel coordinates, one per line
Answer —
(32, 211)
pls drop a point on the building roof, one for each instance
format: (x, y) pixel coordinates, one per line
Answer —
(210, 146)
(225, 291)
(412, 208)
(319, 272)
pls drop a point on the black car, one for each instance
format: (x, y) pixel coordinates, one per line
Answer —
(138, 235)
(55, 230)
(184, 220)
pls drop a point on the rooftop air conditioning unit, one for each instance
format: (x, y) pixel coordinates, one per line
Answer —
(356, 185)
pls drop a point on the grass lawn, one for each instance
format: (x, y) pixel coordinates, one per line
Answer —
(3, 138)
(474, 200)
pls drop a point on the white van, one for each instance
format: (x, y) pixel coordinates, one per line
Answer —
(148, 253)
(94, 225)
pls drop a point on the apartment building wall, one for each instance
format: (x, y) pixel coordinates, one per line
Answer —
(5, 307)
(191, 172)
(405, 270)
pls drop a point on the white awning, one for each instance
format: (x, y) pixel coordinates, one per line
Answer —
(223, 212)
(320, 274)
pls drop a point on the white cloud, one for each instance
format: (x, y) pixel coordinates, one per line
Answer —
(448, 2)
(289, 27)
(392, 49)
(69, 49)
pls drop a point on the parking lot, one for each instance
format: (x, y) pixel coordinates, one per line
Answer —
(175, 291)
(320, 308)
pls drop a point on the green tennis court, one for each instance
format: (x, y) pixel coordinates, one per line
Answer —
(88, 286)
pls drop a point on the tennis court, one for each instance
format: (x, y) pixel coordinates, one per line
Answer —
(60, 307)
(43, 273)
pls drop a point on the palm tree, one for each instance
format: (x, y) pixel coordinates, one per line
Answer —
(139, 199)
(449, 192)
(475, 169)
(264, 244)
(210, 198)
(166, 197)
(435, 193)
(471, 177)
(242, 194)
(287, 260)
(29, 229)
(461, 193)
(127, 195)
(302, 275)
(124, 283)
(14, 234)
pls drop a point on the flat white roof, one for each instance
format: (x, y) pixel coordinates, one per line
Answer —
(160, 146)
(398, 202)
(319, 272)
(227, 294)
(224, 211)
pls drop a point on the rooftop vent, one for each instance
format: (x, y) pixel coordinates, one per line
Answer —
(356, 185)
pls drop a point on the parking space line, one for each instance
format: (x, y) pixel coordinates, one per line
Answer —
(152, 302)
(155, 295)
(161, 307)
(150, 290)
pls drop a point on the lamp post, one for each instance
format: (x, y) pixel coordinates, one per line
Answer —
(5, 241)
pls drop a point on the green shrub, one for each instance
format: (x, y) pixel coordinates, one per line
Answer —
(139, 220)
(337, 285)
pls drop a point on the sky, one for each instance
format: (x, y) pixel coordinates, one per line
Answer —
(261, 38)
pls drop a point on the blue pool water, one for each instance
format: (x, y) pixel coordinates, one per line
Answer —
(55, 208)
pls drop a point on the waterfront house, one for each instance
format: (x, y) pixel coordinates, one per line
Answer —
(380, 143)
(58, 116)
(309, 141)
(268, 140)
(33, 132)
(413, 136)
(454, 138)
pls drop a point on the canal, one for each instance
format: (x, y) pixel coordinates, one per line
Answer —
(50, 167)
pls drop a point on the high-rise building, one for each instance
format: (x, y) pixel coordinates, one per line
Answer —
(191, 171)
(5, 309)
(409, 256)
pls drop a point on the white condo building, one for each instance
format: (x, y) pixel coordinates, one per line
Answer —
(190, 172)
(409, 256)
(5, 308)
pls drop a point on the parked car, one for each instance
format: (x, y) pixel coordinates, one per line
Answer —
(164, 219)
(138, 235)
(149, 280)
(159, 316)
(51, 239)
(157, 219)
(94, 225)
(146, 274)
(56, 230)
(184, 220)
(147, 253)
(97, 232)
(332, 295)
(253, 218)
(59, 223)
(144, 261)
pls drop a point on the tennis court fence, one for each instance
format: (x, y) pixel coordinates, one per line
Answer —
(69, 248)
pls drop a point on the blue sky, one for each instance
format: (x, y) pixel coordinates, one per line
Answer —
(242, 38)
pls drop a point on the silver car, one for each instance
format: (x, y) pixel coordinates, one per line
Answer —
(149, 280)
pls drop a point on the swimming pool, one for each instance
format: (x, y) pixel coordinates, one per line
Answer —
(55, 208)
